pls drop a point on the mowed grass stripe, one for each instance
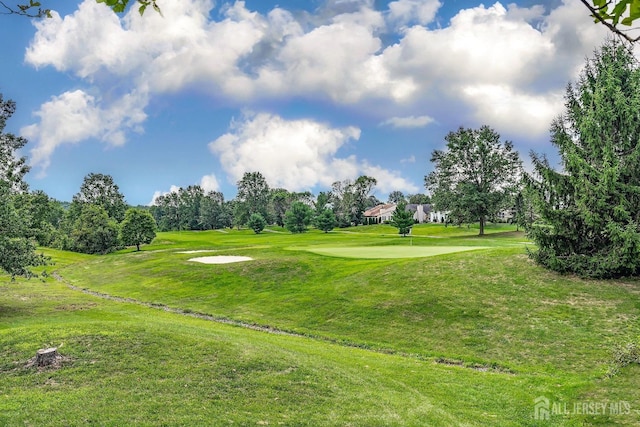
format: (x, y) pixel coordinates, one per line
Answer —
(390, 252)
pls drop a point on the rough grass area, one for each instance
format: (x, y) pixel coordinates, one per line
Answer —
(390, 252)
(467, 338)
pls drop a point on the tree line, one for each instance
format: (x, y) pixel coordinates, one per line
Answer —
(257, 205)
(584, 218)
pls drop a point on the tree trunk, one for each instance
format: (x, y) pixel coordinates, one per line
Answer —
(46, 356)
(138, 247)
(481, 226)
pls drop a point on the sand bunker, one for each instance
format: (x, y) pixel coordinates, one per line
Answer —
(222, 259)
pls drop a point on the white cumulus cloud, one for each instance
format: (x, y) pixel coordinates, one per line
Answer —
(209, 183)
(388, 180)
(295, 154)
(491, 65)
(421, 12)
(75, 116)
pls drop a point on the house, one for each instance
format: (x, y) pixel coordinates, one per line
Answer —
(438, 216)
(379, 214)
(421, 213)
(506, 215)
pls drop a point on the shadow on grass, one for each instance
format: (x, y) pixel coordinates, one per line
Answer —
(8, 311)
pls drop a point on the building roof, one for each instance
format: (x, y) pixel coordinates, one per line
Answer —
(426, 208)
(375, 211)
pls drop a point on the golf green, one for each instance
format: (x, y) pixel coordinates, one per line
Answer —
(373, 252)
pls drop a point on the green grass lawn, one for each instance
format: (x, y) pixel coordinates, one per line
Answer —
(456, 338)
(389, 252)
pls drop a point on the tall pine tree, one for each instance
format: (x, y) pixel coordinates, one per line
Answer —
(589, 212)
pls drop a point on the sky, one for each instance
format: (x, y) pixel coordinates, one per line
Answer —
(305, 92)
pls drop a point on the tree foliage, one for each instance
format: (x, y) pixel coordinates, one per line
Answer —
(419, 199)
(138, 227)
(402, 219)
(17, 253)
(257, 223)
(612, 14)
(94, 232)
(589, 213)
(12, 168)
(298, 217)
(100, 190)
(214, 212)
(280, 202)
(17, 250)
(474, 176)
(326, 220)
(253, 197)
(396, 197)
(42, 214)
(351, 198)
(35, 9)
(191, 209)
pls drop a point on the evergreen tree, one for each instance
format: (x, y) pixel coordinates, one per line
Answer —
(298, 217)
(326, 221)
(589, 213)
(402, 219)
(257, 223)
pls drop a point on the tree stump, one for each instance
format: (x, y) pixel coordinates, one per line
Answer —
(46, 356)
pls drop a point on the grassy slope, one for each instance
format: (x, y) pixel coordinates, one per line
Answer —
(488, 307)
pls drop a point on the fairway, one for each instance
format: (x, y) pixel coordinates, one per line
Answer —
(366, 333)
(387, 252)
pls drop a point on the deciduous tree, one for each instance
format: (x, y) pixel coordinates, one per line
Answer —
(35, 8)
(138, 227)
(612, 14)
(474, 175)
(396, 197)
(253, 197)
(214, 212)
(12, 167)
(17, 251)
(351, 198)
(419, 199)
(100, 190)
(94, 232)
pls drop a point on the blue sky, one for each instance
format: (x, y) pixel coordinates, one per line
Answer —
(305, 92)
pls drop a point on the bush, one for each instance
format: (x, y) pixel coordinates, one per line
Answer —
(257, 223)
